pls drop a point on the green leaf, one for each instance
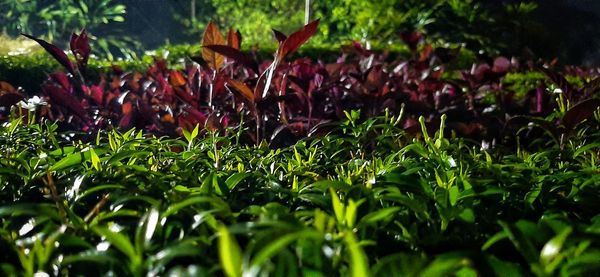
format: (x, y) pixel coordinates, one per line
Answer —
(448, 264)
(235, 179)
(553, 247)
(66, 162)
(146, 229)
(453, 194)
(174, 208)
(338, 207)
(92, 256)
(158, 261)
(384, 214)
(280, 243)
(119, 241)
(505, 269)
(230, 253)
(351, 211)
(117, 157)
(95, 159)
(359, 264)
(467, 215)
(495, 238)
(29, 209)
(521, 242)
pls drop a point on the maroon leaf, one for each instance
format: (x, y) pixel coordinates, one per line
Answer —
(580, 112)
(199, 60)
(447, 54)
(59, 96)
(80, 47)
(279, 36)
(559, 80)
(234, 54)
(411, 39)
(125, 122)
(9, 95)
(56, 52)
(62, 79)
(295, 40)
(6, 87)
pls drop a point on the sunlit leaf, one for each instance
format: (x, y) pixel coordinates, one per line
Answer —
(212, 36)
(230, 253)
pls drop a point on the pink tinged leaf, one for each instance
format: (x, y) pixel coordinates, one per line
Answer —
(62, 79)
(80, 47)
(295, 40)
(501, 65)
(196, 115)
(539, 100)
(235, 55)
(56, 52)
(125, 121)
(97, 94)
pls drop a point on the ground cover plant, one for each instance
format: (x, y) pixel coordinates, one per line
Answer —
(364, 166)
(125, 204)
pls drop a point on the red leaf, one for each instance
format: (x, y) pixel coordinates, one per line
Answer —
(60, 96)
(234, 39)
(125, 121)
(243, 89)
(411, 39)
(10, 98)
(199, 60)
(80, 46)
(56, 52)
(279, 36)
(176, 78)
(9, 95)
(97, 94)
(212, 35)
(295, 40)
(425, 53)
(234, 54)
(127, 108)
(62, 79)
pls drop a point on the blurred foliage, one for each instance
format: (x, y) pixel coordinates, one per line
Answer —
(15, 46)
(546, 29)
(56, 20)
(565, 29)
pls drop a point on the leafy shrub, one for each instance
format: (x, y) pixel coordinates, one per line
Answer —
(127, 204)
(282, 101)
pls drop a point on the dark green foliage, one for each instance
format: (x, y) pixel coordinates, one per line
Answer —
(134, 205)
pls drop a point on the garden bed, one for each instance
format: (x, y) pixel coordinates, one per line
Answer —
(369, 165)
